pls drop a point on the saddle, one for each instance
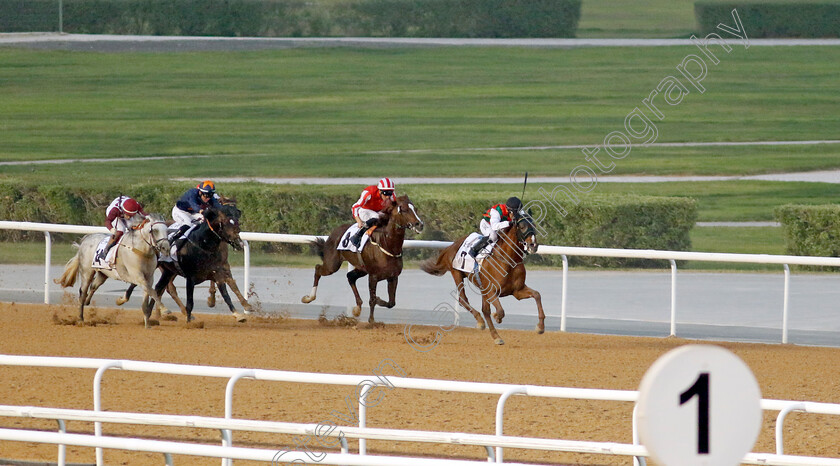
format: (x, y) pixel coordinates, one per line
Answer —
(346, 245)
(463, 261)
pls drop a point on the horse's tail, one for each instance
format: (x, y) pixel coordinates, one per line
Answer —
(436, 266)
(319, 244)
(71, 270)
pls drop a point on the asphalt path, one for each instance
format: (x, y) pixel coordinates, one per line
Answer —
(712, 306)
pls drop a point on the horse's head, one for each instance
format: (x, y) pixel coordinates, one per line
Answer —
(225, 223)
(405, 215)
(155, 227)
(526, 231)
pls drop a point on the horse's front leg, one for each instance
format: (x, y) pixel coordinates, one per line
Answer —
(525, 293)
(124, 298)
(485, 309)
(352, 276)
(190, 290)
(223, 290)
(392, 294)
(372, 282)
(242, 300)
(173, 292)
(211, 298)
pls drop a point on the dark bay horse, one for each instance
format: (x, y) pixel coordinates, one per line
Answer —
(380, 260)
(204, 255)
(502, 273)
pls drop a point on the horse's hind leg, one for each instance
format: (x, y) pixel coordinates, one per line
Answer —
(223, 290)
(84, 286)
(525, 293)
(331, 263)
(485, 309)
(352, 276)
(98, 279)
(464, 302)
(173, 292)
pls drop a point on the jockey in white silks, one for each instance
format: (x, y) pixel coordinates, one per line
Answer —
(189, 208)
(120, 215)
(368, 209)
(495, 219)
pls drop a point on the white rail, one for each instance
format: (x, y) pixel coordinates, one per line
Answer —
(498, 441)
(563, 251)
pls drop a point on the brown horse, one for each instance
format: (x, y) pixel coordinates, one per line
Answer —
(380, 260)
(502, 273)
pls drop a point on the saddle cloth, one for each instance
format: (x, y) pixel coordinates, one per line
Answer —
(463, 261)
(346, 245)
(110, 259)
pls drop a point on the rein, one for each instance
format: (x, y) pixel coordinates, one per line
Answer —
(383, 249)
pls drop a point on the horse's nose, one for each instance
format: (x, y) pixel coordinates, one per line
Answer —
(419, 226)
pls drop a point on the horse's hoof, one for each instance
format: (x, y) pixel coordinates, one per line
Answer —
(357, 311)
(165, 311)
(540, 329)
(499, 318)
(240, 317)
(248, 309)
(121, 300)
(211, 301)
(480, 325)
(499, 341)
(152, 323)
(307, 299)
(190, 318)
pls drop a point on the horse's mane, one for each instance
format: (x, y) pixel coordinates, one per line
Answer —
(155, 217)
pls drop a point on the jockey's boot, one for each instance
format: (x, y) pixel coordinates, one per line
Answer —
(104, 253)
(180, 239)
(357, 238)
(479, 245)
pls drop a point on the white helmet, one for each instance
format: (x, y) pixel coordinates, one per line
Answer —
(385, 184)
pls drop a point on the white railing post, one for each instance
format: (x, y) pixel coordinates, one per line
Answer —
(673, 297)
(785, 305)
(97, 401)
(563, 293)
(60, 16)
(227, 436)
(247, 278)
(363, 417)
(500, 415)
(637, 460)
(47, 260)
(62, 449)
(780, 420)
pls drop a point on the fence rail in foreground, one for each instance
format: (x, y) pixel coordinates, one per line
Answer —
(563, 251)
(228, 423)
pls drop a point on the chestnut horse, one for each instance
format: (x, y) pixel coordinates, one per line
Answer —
(380, 260)
(502, 273)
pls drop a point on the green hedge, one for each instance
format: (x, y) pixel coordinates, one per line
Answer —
(772, 18)
(811, 230)
(296, 18)
(635, 222)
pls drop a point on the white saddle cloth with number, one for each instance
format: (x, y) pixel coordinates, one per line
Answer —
(463, 261)
(346, 245)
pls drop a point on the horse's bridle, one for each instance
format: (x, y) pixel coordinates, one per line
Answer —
(210, 226)
(520, 236)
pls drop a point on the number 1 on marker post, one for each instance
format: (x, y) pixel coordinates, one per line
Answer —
(700, 389)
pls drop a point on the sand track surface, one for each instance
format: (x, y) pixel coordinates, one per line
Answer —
(557, 359)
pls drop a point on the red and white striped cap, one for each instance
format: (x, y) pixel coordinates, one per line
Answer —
(385, 184)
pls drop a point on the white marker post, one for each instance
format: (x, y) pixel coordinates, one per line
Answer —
(699, 405)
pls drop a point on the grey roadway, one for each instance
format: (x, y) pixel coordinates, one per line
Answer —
(714, 306)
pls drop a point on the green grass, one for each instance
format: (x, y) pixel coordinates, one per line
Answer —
(319, 111)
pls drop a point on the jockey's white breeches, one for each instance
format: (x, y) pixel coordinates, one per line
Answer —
(367, 214)
(182, 217)
(492, 232)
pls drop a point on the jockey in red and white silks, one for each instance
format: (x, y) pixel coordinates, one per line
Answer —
(120, 215)
(368, 209)
(496, 218)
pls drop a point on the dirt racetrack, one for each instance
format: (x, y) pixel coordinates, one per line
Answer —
(559, 359)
